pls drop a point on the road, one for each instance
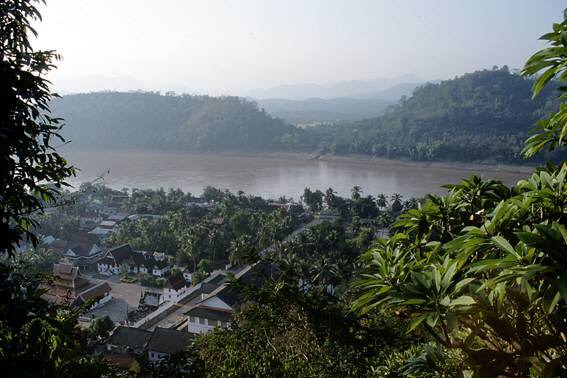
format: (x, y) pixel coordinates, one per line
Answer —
(125, 298)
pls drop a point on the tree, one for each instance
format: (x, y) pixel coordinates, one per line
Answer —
(31, 170)
(483, 269)
(36, 338)
(242, 251)
(550, 132)
(313, 200)
(215, 243)
(381, 201)
(356, 191)
(191, 248)
(284, 332)
(330, 198)
(396, 203)
(101, 326)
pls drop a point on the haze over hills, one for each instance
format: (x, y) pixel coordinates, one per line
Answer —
(314, 110)
(352, 88)
(342, 101)
(480, 117)
(297, 104)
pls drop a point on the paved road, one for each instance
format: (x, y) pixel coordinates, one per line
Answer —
(125, 298)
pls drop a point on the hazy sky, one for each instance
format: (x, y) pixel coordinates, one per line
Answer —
(232, 46)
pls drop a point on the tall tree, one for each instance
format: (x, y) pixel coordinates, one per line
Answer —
(31, 170)
(36, 338)
(484, 268)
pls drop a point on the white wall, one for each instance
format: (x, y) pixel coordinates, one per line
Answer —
(199, 328)
(215, 302)
(107, 298)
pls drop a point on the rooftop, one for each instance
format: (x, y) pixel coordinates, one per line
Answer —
(129, 336)
(94, 292)
(210, 313)
(169, 341)
(176, 282)
(121, 253)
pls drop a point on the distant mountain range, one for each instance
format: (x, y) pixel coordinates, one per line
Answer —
(341, 101)
(354, 88)
(319, 110)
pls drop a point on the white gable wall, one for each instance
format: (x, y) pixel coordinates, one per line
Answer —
(215, 302)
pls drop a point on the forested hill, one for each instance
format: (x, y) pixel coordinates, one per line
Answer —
(483, 116)
(151, 120)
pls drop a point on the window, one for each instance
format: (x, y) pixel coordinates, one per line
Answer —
(214, 322)
(201, 321)
(192, 319)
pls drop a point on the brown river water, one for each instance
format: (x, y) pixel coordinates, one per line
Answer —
(270, 177)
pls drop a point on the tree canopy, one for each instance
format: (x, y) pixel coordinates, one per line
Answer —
(28, 132)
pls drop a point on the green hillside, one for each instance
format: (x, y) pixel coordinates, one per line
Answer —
(479, 117)
(151, 120)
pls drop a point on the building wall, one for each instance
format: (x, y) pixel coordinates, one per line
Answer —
(159, 272)
(107, 298)
(196, 327)
(215, 302)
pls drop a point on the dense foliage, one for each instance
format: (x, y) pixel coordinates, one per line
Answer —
(36, 338)
(28, 133)
(484, 269)
(205, 235)
(284, 332)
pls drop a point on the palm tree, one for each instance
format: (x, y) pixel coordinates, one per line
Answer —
(381, 201)
(397, 205)
(215, 240)
(190, 248)
(330, 198)
(356, 191)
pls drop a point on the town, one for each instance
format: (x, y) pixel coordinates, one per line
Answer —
(152, 269)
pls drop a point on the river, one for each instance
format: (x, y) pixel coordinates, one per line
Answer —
(269, 177)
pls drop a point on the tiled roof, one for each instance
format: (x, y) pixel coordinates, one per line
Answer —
(169, 341)
(121, 253)
(208, 287)
(106, 260)
(176, 281)
(65, 270)
(210, 313)
(94, 293)
(128, 336)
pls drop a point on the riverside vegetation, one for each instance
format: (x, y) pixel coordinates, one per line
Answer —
(473, 283)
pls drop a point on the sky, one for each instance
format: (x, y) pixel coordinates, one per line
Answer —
(234, 46)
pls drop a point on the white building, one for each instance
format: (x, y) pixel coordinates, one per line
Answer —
(174, 287)
(123, 259)
(216, 308)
